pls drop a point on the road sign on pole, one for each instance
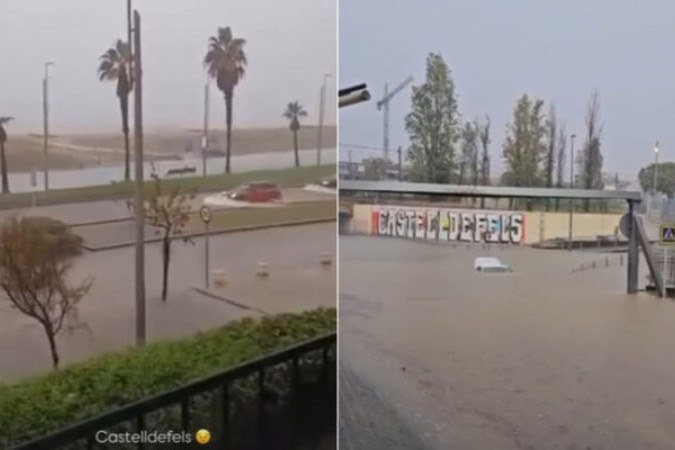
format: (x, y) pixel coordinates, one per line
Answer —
(205, 214)
(667, 233)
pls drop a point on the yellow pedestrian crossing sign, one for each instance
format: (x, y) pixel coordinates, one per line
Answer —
(667, 233)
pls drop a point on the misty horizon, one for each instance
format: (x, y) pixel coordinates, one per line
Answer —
(75, 33)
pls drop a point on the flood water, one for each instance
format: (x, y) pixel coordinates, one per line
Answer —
(538, 359)
(62, 179)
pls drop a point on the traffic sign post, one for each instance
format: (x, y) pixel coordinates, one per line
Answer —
(205, 215)
(667, 239)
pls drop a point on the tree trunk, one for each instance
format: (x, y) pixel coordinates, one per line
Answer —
(124, 108)
(166, 256)
(52, 346)
(3, 161)
(228, 124)
(295, 145)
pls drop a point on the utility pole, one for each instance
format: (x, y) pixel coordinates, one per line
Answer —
(384, 105)
(571, 225)
(129, 43)
(400, 164)
(205, 137)
(45, 124)
(322, 102)
(139, 197)
(349, 165)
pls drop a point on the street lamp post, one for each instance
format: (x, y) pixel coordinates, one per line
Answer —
(45, 124)
(571, 225)
(656, 168)
(321, 114)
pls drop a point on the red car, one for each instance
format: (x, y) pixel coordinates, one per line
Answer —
(256, 192)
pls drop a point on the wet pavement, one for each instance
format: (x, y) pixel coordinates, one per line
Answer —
(78, 213)
(293, 255)
(538, 359)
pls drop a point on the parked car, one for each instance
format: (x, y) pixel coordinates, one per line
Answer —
(256, 192)
(329, 182)
(490, 264)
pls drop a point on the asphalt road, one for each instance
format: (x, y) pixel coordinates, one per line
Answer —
(538, 359)
(75, 213)
(297, 281)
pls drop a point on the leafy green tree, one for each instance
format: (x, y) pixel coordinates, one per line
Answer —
(3, 156)
(525, 144)
(432, 125)
(167, 210)
(36, 255)
(665, 178)
(589, 157)
(293, 113)
(226, 63)
(115, 65)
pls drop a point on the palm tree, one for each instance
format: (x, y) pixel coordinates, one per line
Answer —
(293, 112)
(116, 66)
(226, 62)
(3, 158)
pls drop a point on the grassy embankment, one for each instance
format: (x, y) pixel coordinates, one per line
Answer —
(285, 177)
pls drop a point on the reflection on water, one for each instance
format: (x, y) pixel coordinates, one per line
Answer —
(542, 358)
(61, 179)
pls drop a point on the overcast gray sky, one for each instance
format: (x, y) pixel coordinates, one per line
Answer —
(557, 50)
(291, 45)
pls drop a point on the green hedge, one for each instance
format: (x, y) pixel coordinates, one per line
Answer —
(46, 403)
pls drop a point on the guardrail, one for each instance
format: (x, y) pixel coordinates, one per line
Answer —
(240, 406)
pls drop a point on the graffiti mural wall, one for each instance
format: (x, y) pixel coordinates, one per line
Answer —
(448, 224)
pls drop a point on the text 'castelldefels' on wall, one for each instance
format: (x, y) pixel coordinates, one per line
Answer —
(448, 224)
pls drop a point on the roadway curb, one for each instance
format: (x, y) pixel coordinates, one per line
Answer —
(214, 233)
(212, 295)
(194, 213)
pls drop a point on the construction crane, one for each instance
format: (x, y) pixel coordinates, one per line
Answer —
(384, 104)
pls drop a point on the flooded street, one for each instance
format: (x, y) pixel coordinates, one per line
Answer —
(107, 174)
(538, 359)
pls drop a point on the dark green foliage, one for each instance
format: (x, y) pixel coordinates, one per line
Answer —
(42, 404)
(525, 145)
(293, 112)
(432, 125)
(665, 182)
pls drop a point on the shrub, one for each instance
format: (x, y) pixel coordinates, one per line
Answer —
(39, 405)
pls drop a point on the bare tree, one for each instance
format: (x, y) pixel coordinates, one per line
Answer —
(483, 130)
(560, 160)
(590, 157)
(468, 163)
(36, 256)
(167, 210)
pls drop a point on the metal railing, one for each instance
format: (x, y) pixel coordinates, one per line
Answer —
(299, 362)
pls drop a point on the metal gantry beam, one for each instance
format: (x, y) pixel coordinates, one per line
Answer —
(395, 187)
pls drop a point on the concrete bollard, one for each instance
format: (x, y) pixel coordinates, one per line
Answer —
(621, 260)
(263, 270)
(326, 259)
